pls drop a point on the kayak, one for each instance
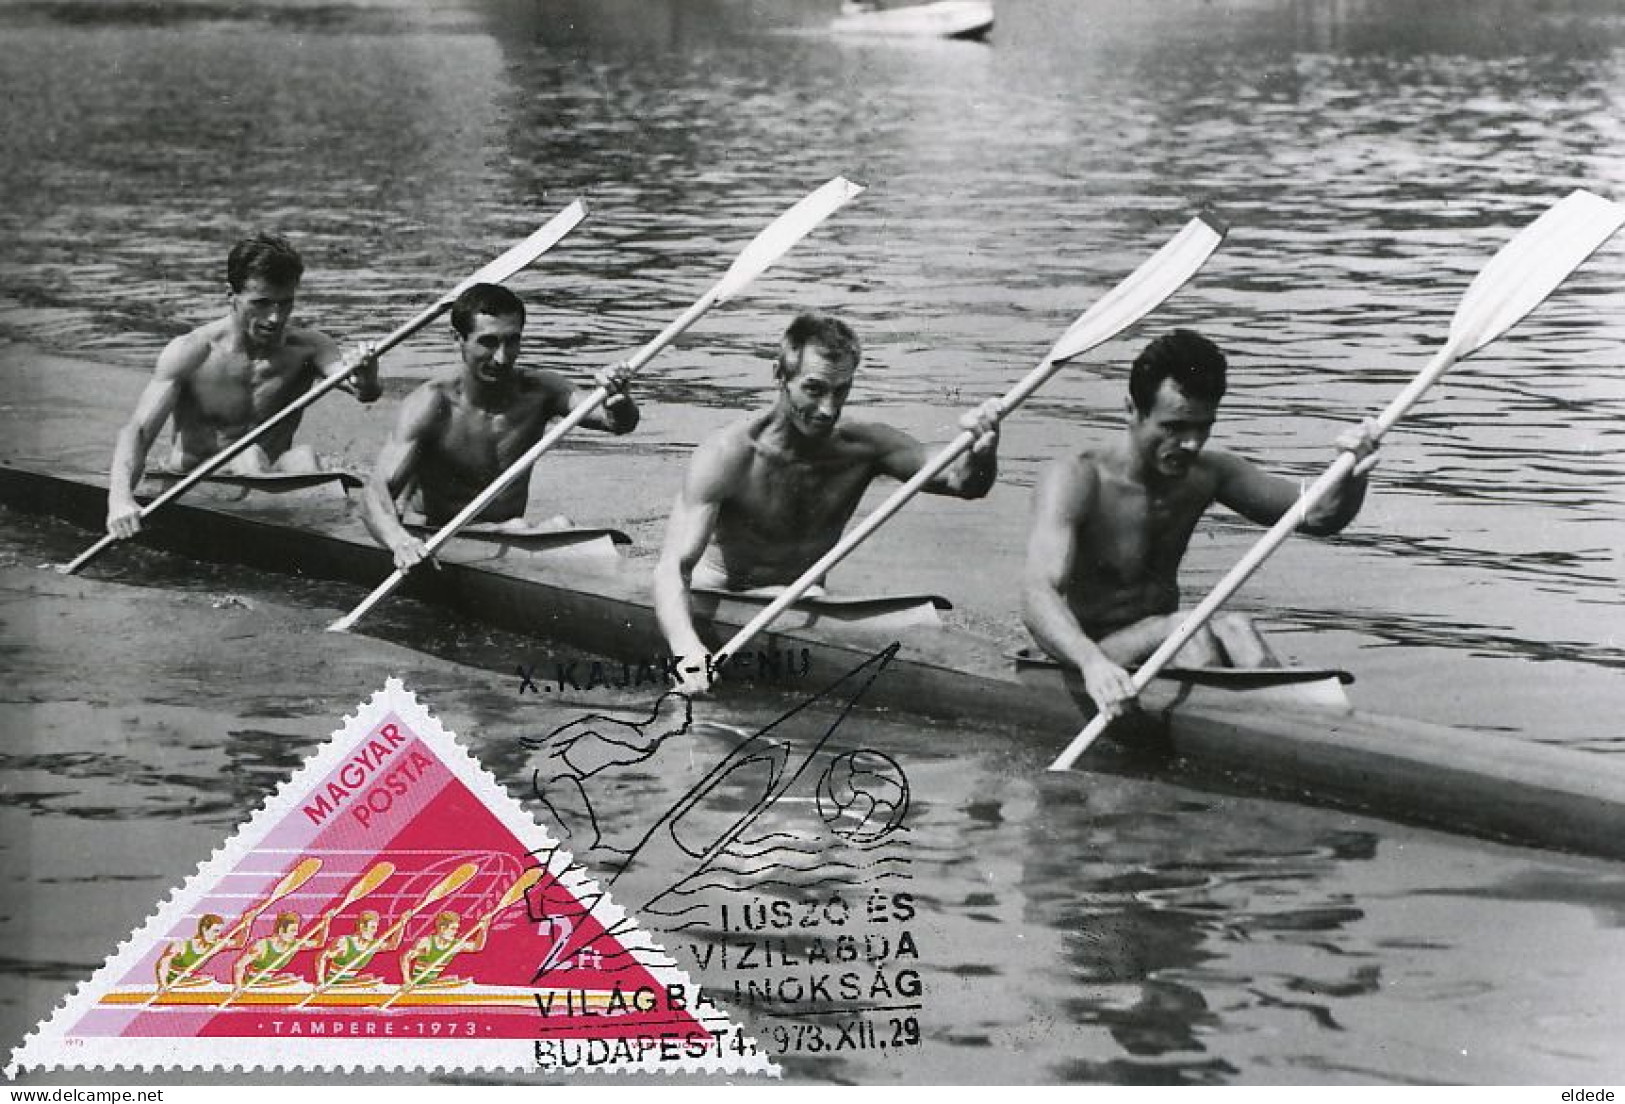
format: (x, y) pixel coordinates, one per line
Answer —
(1288, 732)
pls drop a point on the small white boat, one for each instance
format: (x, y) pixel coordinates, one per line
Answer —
(943, 19)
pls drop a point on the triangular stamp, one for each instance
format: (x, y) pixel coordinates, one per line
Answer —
(391, 907)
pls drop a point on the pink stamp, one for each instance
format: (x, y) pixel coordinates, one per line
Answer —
(391, 907)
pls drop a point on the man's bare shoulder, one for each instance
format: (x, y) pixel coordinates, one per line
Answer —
(550, 381)
(543, 389)
(1215, 466)
(440, 394)
(854, 437)
(530, 377)
(303, 345)
(429, 406)
(735, 443)
(1078, 472)
(439, 391)
(1219, 461)
(192, 350)
(722, 462)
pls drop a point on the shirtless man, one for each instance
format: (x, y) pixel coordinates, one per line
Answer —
(227, 376)
(455, 436)
(1110, 525)
(766, 497)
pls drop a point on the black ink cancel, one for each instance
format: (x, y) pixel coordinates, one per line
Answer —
(617, 743)
(762, 665)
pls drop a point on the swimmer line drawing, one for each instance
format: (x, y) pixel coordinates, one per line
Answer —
(766, 764)
(593, 744)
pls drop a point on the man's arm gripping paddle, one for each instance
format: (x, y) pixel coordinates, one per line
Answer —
(290, 881)
(521, 885)
(1517, 279)
(451, 883)
(499, 270)
(768, 246)
(371, 880)
(1140, 293)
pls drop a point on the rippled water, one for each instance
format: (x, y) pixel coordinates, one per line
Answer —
(1370, 156)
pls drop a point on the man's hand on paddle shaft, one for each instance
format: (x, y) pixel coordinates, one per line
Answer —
(360, 364)
(1361, 440)
(409, 551)
(984, 422)
(1342, 502)
(696, 683)
(615, 379)
(1109, 686)
(621, 410)
(973, 474)
(123, 514)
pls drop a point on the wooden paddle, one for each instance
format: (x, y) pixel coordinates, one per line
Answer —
(1140, 293)
(496, 272)
(362, 886)
(768, 246)
(519, 888)
(1526, 270)
(290, 881)
(451, 883)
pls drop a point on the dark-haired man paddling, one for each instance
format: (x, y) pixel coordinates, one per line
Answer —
(766, 497)
(455, 436)
(1110, 525)
(228, 376)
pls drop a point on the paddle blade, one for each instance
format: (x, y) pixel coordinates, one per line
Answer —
(293, 879)
(451, 883)
(520, 887)
(368, 882)
(1530, 267)
(783, 233)
(1167, 270)
(526, 251)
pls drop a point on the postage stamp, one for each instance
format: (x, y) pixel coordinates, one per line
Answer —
(391, 907)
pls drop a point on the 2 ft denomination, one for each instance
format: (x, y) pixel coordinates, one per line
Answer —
(854, 1034)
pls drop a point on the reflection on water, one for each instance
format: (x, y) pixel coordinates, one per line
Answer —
(1370, 155)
